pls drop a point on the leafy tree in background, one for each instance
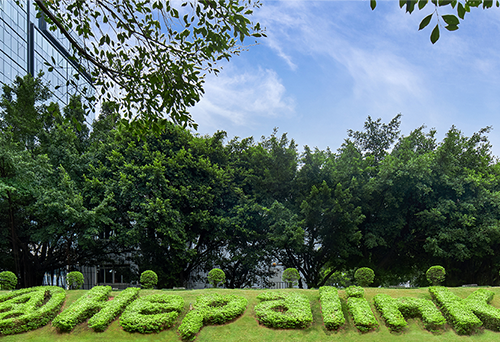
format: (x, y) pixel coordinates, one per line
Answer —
(155, 53)
(449, 21)
(44, 218)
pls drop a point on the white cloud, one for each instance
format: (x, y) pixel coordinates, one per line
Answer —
(241, 98)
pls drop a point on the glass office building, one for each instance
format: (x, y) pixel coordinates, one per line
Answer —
(27, 44)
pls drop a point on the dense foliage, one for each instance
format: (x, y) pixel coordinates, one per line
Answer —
(211, 309)
(152, 313)
(216, 276)
(180, 204)
(148, 279)
(74, 280)
(435, 275)
(331, 307)
(282, 310)
(8, 280)
(290, 276)
(83, 308)
(364, 276)
(29, 309)
(395, 311)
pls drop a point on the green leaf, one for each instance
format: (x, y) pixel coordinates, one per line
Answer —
(487, 3)
(425, 22)
(450, 19)
(410, 5)
(451, 27)
(435, 34)
(461, 10)
(422, 3)
(444, 2)
(373, 4)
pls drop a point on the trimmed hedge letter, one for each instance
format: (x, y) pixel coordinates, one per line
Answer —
(29, 309)
(152, 313)
(284, 310)
(113, 308)
(84, 307)
(358, 306)
(394, 311)
(331, 307)
(467, 315)
(211, 309)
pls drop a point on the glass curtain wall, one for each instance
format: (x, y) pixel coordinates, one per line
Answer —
(27, 45)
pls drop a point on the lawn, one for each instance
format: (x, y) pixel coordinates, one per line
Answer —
(246, 328)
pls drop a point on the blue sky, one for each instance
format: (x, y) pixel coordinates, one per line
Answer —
(326, 65)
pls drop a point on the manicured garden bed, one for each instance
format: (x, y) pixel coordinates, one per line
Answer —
(247, 328)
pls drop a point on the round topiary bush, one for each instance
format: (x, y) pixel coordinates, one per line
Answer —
(364, 276)
(74, 280)
(435, 275)
(8, 280)
(148, 279)
(216, 276)
(290, 276)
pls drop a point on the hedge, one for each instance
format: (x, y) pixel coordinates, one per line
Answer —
(364, 276)
(29, 309)
(331, 307)
(148, 279)
(358, 306)
(74, 280)
(211, 309)
(284, 310)
(8, 280)
(394, 311)
(113, 308)
(456, 310)
(84, 307)
(478, 303)
(152, 313)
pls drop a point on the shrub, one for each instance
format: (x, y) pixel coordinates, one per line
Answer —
(456, 310)
(284, 310)
(29, 309)
(290, 276)
(8, 280)
(152, 313)
(211, 309)
(113, 308)
(364, 276)
(148, 279)
(355, 291)
(394, 311)
(435, 275)
(478, 303)
(331, 307)
(74, 280)
(360, 310)
(216, 276)
(84, 307)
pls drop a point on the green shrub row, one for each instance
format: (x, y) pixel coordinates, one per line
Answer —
(456, 310)
(358, 306)
(211, 309)
(478, 303)
(112, 309)
(355, 291)
(394, 311)
(331, 307)
(29, 309)
(152, 313)
(84, 307)
(284, 310)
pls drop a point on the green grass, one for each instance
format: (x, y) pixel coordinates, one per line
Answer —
(246, 328)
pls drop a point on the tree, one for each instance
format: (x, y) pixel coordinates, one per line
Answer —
(154, 52)
(290, 276)
(451, 21)
(216, 276)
